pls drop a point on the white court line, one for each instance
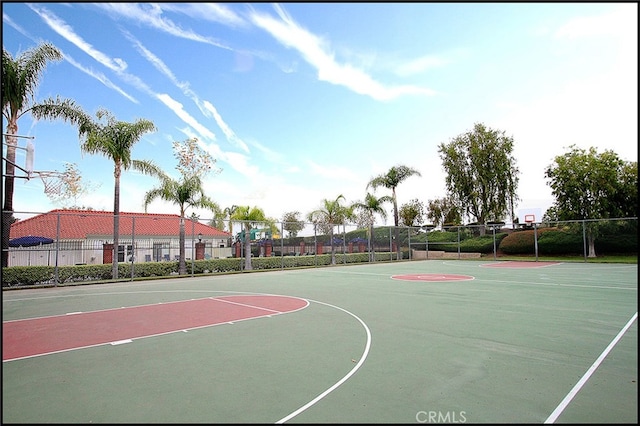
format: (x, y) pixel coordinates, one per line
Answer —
(344, 379)
(567, 399)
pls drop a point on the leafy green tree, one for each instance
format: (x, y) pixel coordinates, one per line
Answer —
(592, 185)
(331, 213)
(291, 223)
(482, 176)
(20, 79)
(626, 197)
(114, 140)
(251, 217)
(390, 180)
(443, 211)
(412, 213)
(370, 207)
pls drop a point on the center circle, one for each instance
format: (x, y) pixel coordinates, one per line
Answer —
(432, 277)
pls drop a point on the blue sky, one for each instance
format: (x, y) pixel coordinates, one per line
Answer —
(299, 102)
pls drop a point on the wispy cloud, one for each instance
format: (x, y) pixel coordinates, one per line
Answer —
(61, 27)
(150, 14)
(215, 12)
(68, 33)
(100, 77)
(205, 106)
(316, 52)
(230, 134)
(178, 109)
(95, 74)
(7, 20)
(155, 61)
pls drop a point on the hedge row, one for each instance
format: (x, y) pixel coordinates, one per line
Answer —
(45, 275)
(552, 241)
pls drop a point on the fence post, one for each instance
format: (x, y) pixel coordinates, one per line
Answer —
(535, 239)
(344, 243)
(55, 272)
(315, 244)
(193, 244)
(133, 244)
(584, 239)
(493, 228)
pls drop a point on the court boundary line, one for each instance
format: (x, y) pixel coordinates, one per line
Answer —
(576, 388)
(363, 357)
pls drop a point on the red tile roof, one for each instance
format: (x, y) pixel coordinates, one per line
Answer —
(83, 224)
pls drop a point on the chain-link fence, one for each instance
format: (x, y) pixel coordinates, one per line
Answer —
(164, 244)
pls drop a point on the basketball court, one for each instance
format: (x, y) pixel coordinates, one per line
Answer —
(400, 342)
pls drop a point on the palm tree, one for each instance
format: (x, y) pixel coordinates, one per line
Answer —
(20, 79)
(372, 206)
(250, 217)
(228, 212)
(114, 140)
(331, 213)
(394, 177)
(187, 192)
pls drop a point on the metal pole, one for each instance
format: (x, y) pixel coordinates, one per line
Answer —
(426, 244)
(344, 244)
(493, 228)
(370, 236)
(584, 239)
(133, 243)
(535, 239)
(193, 242)
(55, 271)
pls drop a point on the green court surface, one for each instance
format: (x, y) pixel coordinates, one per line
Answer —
(427, 341)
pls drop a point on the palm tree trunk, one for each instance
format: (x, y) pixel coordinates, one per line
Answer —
(395, 221)
(7, 210)
(116, 222)
(333, 250)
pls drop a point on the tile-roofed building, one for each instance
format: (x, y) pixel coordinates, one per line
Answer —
(83, 235)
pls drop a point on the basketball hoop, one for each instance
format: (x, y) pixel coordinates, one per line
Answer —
(53, 182)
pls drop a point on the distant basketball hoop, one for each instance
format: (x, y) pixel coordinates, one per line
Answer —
(529, 219)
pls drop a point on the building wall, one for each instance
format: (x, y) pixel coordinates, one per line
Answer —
(90, 251)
